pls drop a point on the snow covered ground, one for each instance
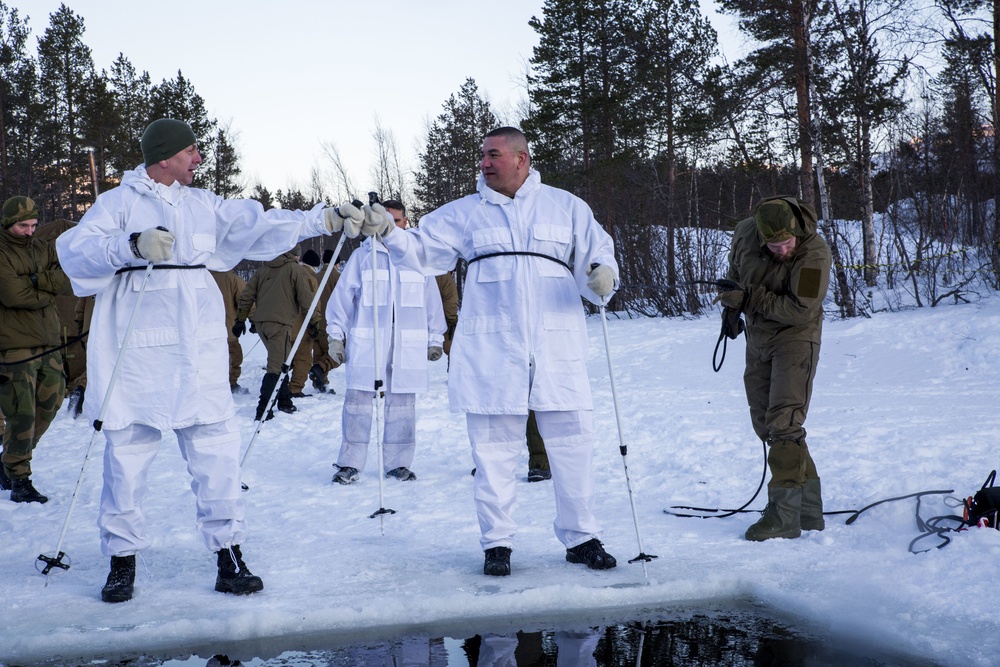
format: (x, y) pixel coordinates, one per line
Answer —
(904, 402)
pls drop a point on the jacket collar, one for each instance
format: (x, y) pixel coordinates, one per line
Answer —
(139, 180)
(531, 185)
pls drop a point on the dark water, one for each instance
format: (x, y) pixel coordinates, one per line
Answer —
(731, 634)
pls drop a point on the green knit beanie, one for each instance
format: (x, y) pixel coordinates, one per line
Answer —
(165, 138)
(776, 221)
(18, 209)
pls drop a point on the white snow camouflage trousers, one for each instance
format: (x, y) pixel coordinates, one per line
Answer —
(497, 445)
(212, 455)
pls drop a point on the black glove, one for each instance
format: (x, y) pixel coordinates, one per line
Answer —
(253, 328)
(313, 331)
(239, 328)
(732, 323)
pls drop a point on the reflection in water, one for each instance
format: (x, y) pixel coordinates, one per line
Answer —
(678, 637)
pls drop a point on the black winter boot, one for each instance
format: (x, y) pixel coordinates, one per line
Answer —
(22, 491)
(285, 398)
(234, 577)
(592, 554)
(318, 381)
(121, 580)
(811, 517)
(267, 386)
(4, 479)
(781, 516)
(497, 562)
(74, 405)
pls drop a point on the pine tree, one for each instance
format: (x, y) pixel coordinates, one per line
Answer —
(449, 163)
(579, 92)
(19, 109)
(133, 97)
(262, 195)
(100, 120)
(65, 66)
(783, 61)
(866, 93)
(227, 181)
(177, 99)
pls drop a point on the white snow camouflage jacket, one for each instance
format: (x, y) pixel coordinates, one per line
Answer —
(410, 317)
(521, 340)
(175, 369)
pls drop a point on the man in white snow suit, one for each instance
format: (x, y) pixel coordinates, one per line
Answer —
(411, 328)
(521, 342)
(174, 368)
(783, 269)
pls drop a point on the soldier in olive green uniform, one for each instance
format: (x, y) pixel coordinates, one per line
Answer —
(783, 268)
(231, 286)
(322, 362)
(32, 381)
(303, 359)
(280, 292)
(74, 319)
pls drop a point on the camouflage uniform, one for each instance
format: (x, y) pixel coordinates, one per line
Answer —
(30, 391)
(30, 395)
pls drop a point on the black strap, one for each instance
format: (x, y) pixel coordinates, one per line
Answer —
(69, 341)
(522, 252)
(716, 361)
(142, 267)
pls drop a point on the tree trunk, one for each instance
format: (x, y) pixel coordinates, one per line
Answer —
(995, 254)
(868, 212)
(800, 27)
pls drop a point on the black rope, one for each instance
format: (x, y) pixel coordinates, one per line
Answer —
(727, 512)
(69, 341)
(521, 252)
(917, 495)
(930, 528)
(143, 267)
(717, 365)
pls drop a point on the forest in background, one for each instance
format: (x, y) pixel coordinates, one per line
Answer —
(881, 113)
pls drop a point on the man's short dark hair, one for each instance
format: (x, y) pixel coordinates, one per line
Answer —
(508, 133)
(395, 205)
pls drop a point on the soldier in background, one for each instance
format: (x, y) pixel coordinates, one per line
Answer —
(74, 321)
(783, 269)
(32, 379)
(231, 286)
(281, 292)
(302, 361)
(323, 363)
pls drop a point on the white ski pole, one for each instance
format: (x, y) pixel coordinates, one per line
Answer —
(379, 398)
(295, 346)
(643, 557)
(56, 561)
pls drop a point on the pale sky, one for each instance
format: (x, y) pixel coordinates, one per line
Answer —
(289, 75)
